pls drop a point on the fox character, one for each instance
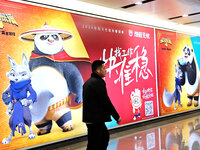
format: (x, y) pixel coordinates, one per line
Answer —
(20, 96)
(169, 98)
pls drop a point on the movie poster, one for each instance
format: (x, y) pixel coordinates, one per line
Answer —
(47, 55)
(57, 113)
(178, 72)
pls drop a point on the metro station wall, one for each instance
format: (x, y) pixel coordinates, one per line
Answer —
(139, 67)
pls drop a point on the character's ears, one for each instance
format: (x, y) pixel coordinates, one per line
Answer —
(24, 60)
(13, 64)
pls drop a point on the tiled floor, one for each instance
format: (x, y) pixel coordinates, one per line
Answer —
(180, 132)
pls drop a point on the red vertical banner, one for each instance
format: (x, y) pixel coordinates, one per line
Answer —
(128, 52)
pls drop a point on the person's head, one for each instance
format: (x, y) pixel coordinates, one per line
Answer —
(98, 67)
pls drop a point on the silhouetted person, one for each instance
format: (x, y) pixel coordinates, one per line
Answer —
(97, 108)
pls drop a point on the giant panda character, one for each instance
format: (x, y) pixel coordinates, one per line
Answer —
(55, 78)
(190, 75)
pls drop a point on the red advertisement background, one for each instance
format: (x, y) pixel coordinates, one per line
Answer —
(96, 39)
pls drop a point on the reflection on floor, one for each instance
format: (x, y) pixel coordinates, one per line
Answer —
(180, 132)
(181, 135)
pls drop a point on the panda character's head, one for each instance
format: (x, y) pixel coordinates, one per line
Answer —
(47, 40)
(48, 43)
(188, 54)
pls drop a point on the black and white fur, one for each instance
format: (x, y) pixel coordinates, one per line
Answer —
(190, 77)
(53, 81)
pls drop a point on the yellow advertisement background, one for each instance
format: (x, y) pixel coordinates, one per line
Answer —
(28, 18)
(166, 60)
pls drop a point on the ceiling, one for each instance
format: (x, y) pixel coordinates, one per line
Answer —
(170, 10)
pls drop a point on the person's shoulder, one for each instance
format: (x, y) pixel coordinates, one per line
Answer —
(89, 81)
(93, 81)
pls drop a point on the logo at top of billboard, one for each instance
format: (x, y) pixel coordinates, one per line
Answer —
(7, 18)
(139, 34)
(167, 42)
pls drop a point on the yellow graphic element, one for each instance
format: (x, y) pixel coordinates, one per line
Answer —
(74, 46)
(7, 18)
(1, 24)
(166, 41)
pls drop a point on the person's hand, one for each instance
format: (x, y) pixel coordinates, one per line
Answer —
(119, 120)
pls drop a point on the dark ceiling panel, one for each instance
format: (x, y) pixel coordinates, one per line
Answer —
(134, 4)
(192, 14)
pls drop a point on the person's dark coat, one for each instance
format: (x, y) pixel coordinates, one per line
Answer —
(97, 106)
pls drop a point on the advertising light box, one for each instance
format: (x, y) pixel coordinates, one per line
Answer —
(46, 56)
(178, 72)
(128, 52)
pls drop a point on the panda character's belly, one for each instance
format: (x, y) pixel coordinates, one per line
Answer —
(188, 64)
(191, 89)
(48, 79)
(50, 86)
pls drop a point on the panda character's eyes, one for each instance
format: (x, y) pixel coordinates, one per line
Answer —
(44, 37)
(55, 37)
(184, 49)
(188, 51)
